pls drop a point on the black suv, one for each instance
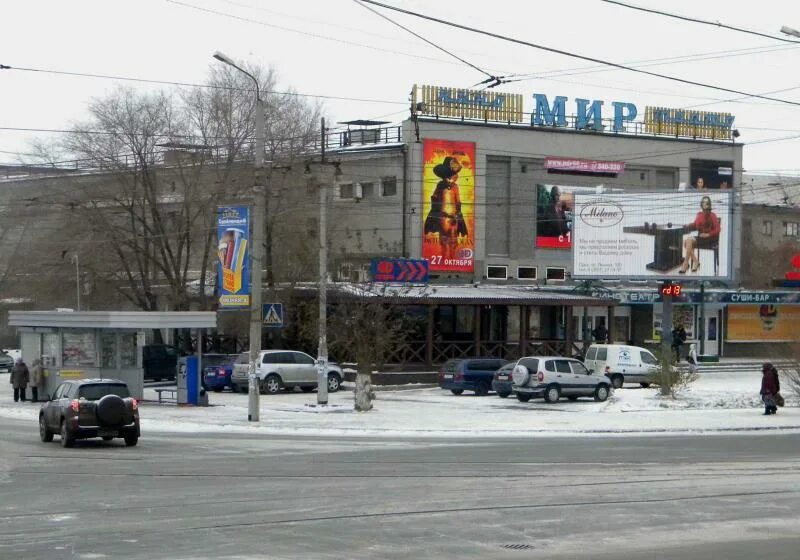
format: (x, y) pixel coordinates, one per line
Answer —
(159, 361)
(89, 408)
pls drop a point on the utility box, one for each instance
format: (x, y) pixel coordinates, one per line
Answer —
(189, 381)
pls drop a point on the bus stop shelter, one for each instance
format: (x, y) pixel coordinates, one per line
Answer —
(96, 344)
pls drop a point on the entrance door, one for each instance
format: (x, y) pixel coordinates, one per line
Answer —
(711, 331)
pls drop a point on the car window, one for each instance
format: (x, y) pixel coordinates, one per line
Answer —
(278, 358)
(562, 366)
(550, 365)
(602, 354)
(97, 391)
(59, 391)
(304, 359)
(216, 359)
(508, 368)
(244, 358)
(591, 353)
(579, 369)
(484, 365)
(648, 358)
(531, 363)
(451, 365)
(171, 351)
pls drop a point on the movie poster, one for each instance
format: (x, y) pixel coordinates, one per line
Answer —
(233, 281)
(555, 208)
(448, 203)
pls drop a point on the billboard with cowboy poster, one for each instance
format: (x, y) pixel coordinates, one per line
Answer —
(448, 203)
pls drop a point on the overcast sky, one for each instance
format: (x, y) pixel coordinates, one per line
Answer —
(338, 48)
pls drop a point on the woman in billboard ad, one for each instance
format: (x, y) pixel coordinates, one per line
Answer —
(707, 226)
(448, 186)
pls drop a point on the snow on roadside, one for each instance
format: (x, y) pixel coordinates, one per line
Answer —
(717, 402)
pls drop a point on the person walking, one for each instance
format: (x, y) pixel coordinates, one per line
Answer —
(678, 338)
(37, 379)
(19, 379)
(770, 386)
(692, 358)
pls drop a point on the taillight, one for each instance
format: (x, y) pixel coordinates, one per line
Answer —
(540, 376)
(221, 371)
(75, 405)
(134, 404)
(459, 375)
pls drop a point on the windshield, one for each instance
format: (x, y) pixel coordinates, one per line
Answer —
(100, 390)
(217, 360)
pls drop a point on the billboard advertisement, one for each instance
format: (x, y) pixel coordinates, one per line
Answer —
(555, 206)
(448, 203)
(763, 323)
(665, 235)
(711, 174)
(233, 276)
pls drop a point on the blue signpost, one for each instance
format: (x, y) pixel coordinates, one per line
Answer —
(272, 315)
(409, 271)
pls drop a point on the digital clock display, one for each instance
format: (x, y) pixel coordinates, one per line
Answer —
(671, 289)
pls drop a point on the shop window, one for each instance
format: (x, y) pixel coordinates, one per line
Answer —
(556, 273)
(526, 272)
(388, 186)
(108, 350)
(497, 272)
(766, 228)
(79, 349)
(127, 350)
(791, 229)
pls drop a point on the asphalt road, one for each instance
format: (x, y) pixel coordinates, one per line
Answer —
(195, 496)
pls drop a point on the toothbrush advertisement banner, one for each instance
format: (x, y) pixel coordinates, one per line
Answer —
(233, 279)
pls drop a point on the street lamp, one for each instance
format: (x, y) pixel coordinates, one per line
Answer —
(259, 208)
(789, 31)
(77, 279)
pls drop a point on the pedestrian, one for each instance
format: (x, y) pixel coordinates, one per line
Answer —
(770, 386)
(678, 338)
(600, 333)
(37, 379)
(19, 379)
(692, 358)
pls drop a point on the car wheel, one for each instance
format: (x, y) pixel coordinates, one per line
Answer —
(334, 382)
(617, 380)
(552, 394)
(67, 439)
(44, 432)
(481, 389)
(234, 388)
(131, 440)
(601, 393)
(456, 391)
(108, 438)
(645, 385)
(523, 397)
(307, 388)
(271, 384)
(503, 394)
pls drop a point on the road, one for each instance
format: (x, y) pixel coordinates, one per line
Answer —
(198, 496)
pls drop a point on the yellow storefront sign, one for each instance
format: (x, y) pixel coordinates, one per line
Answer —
(71, 373)
(467, 103)
(763, 323)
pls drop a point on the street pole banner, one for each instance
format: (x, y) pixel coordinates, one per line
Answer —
(448, 204)
(668, 235)
(233, 277)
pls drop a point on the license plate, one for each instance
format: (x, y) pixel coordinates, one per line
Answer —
(502, 378)
(103, 433)
(448, 376)
(211, 374)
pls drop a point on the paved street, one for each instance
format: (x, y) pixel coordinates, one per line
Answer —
(195, 496)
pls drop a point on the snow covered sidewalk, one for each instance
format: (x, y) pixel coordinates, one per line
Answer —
(717, 402)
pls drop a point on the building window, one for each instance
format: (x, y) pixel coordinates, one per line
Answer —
(556, 273)
(388, 186)
(766, 228)
(791, 229)
(526, 272)
(366, 191)
(497, 272)
(345, 190)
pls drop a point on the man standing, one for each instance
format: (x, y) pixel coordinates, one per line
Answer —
(19, 379)
(600, 333)
(678, 338)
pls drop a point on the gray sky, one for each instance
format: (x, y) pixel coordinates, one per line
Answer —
(337, 48)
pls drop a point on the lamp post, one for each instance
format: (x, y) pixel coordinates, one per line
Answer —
(77, 279)
(259, 208)
(790, 31)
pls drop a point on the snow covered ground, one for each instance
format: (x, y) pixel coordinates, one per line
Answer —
(720, 401)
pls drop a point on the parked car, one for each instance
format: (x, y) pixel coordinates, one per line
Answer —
(89, 408)
(159, 361)
(502, 383)
(217, 371)
(469, 374)
(6, 362)
(622, 363)
(284, 369)
(551, 377)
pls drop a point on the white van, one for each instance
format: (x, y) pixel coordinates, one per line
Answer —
(622, 363)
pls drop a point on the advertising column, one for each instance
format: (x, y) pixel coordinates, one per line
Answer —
(448, 192)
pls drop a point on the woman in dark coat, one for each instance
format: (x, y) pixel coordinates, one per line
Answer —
(770, 386)
(19, 378)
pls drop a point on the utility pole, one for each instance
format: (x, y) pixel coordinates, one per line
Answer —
(322, 351)
(257, 250)
(666, 343)
(77, 279)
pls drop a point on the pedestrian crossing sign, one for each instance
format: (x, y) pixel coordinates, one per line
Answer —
(272, 315)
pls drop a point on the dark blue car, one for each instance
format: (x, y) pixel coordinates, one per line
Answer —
(469, 374)
(217, 370)
(502, 384)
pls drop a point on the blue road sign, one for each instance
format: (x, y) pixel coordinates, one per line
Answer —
(272, 315)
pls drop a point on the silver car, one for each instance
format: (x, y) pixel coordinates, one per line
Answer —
(283, 369)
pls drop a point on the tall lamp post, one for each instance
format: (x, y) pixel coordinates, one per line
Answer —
(259, 207)
(77, 279)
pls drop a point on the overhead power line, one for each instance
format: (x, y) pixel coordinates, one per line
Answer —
(702, 21)
(574, 55)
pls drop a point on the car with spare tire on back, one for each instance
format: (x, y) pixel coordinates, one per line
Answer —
(553, 377)
(90, 408)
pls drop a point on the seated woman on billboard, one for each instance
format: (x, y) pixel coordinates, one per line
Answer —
(707, 226)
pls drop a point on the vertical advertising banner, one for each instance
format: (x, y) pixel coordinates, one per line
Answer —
(555, 209)
(448, 203)
(711, 174)
(233, 279)
(763, 323)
